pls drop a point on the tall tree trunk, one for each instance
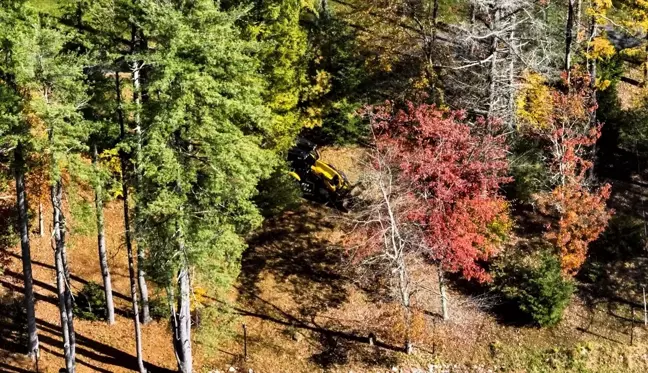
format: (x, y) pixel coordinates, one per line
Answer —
(593, 101)
(512, 75)
(141, 274)
(444, 296)
(41, 223)
(645, 81)
(406, 303)
(569, 38)
(435, 18)
(473, 16)
(492, 76)
(23, 222)
(127, 233)
(579, 12)
(62, 278)
(101, 240)
(185, 364)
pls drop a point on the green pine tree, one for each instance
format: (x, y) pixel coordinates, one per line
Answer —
(204, 128)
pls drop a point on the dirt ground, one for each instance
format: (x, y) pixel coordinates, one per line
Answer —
(305, 310)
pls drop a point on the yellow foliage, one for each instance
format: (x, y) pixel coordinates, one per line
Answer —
(601, 48)
(199, 299)
(534, 104)
(602, 85)
(599, 9)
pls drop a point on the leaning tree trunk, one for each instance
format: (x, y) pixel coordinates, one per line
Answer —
(101, 241)
(127, 233)
(444, 296)
(23, 222)
(141, 275)
(62, 282)
(569, 38)
(183, 343)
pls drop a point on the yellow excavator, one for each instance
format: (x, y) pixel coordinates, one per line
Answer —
(318, 180)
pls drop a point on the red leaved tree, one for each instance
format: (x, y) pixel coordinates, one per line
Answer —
(454, 170)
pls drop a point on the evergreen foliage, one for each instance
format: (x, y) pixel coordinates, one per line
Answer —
(537, 286)
(90, 302)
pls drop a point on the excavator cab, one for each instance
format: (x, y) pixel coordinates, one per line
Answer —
(317, 179)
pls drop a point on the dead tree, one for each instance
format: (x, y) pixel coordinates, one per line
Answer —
(383, 241)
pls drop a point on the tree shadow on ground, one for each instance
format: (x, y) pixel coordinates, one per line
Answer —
(614, 276)
(89, 350)
(13, 323)
(298, 250)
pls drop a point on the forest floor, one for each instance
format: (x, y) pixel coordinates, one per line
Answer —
(306, 311)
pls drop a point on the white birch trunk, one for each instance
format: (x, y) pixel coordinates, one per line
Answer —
(62, 282)
(444, 296)
(101, 242)
(23, 222)
(141, 274)
(127, 235)
(185, 363)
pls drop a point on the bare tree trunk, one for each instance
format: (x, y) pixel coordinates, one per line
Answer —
(594, 101)
(569, 37)
(127, 234)
(492, 76)
(185, 363)
(141, 274)
(41, 223)
(101, 241)
(444, 297)
(579, 12)
(645, 82)
(435, 18)
(23, 222)
(473, 16)
(62, 278)
(511, 77)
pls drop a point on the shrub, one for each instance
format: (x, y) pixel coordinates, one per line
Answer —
(535, 283)
(159, 308)
(90, 302)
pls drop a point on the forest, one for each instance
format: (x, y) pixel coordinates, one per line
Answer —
(323, 186)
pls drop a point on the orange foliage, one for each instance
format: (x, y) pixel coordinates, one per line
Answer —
(580, 217)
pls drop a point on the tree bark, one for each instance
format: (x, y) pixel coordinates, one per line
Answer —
(62, 278)
(141, 274)
(569, 38)
(435, 16)
(23, 222)
(185, 363)
(511, 78)
(101, 241)
(492, 76)
(41, 223)
(444, 297)
(645, 81)
(127, 234)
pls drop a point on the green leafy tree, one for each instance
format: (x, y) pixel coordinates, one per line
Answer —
(201, 153)
(17, 65)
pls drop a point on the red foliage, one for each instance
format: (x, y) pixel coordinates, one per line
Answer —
(455, 170)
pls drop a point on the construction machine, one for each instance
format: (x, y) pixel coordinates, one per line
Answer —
(318, 180)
